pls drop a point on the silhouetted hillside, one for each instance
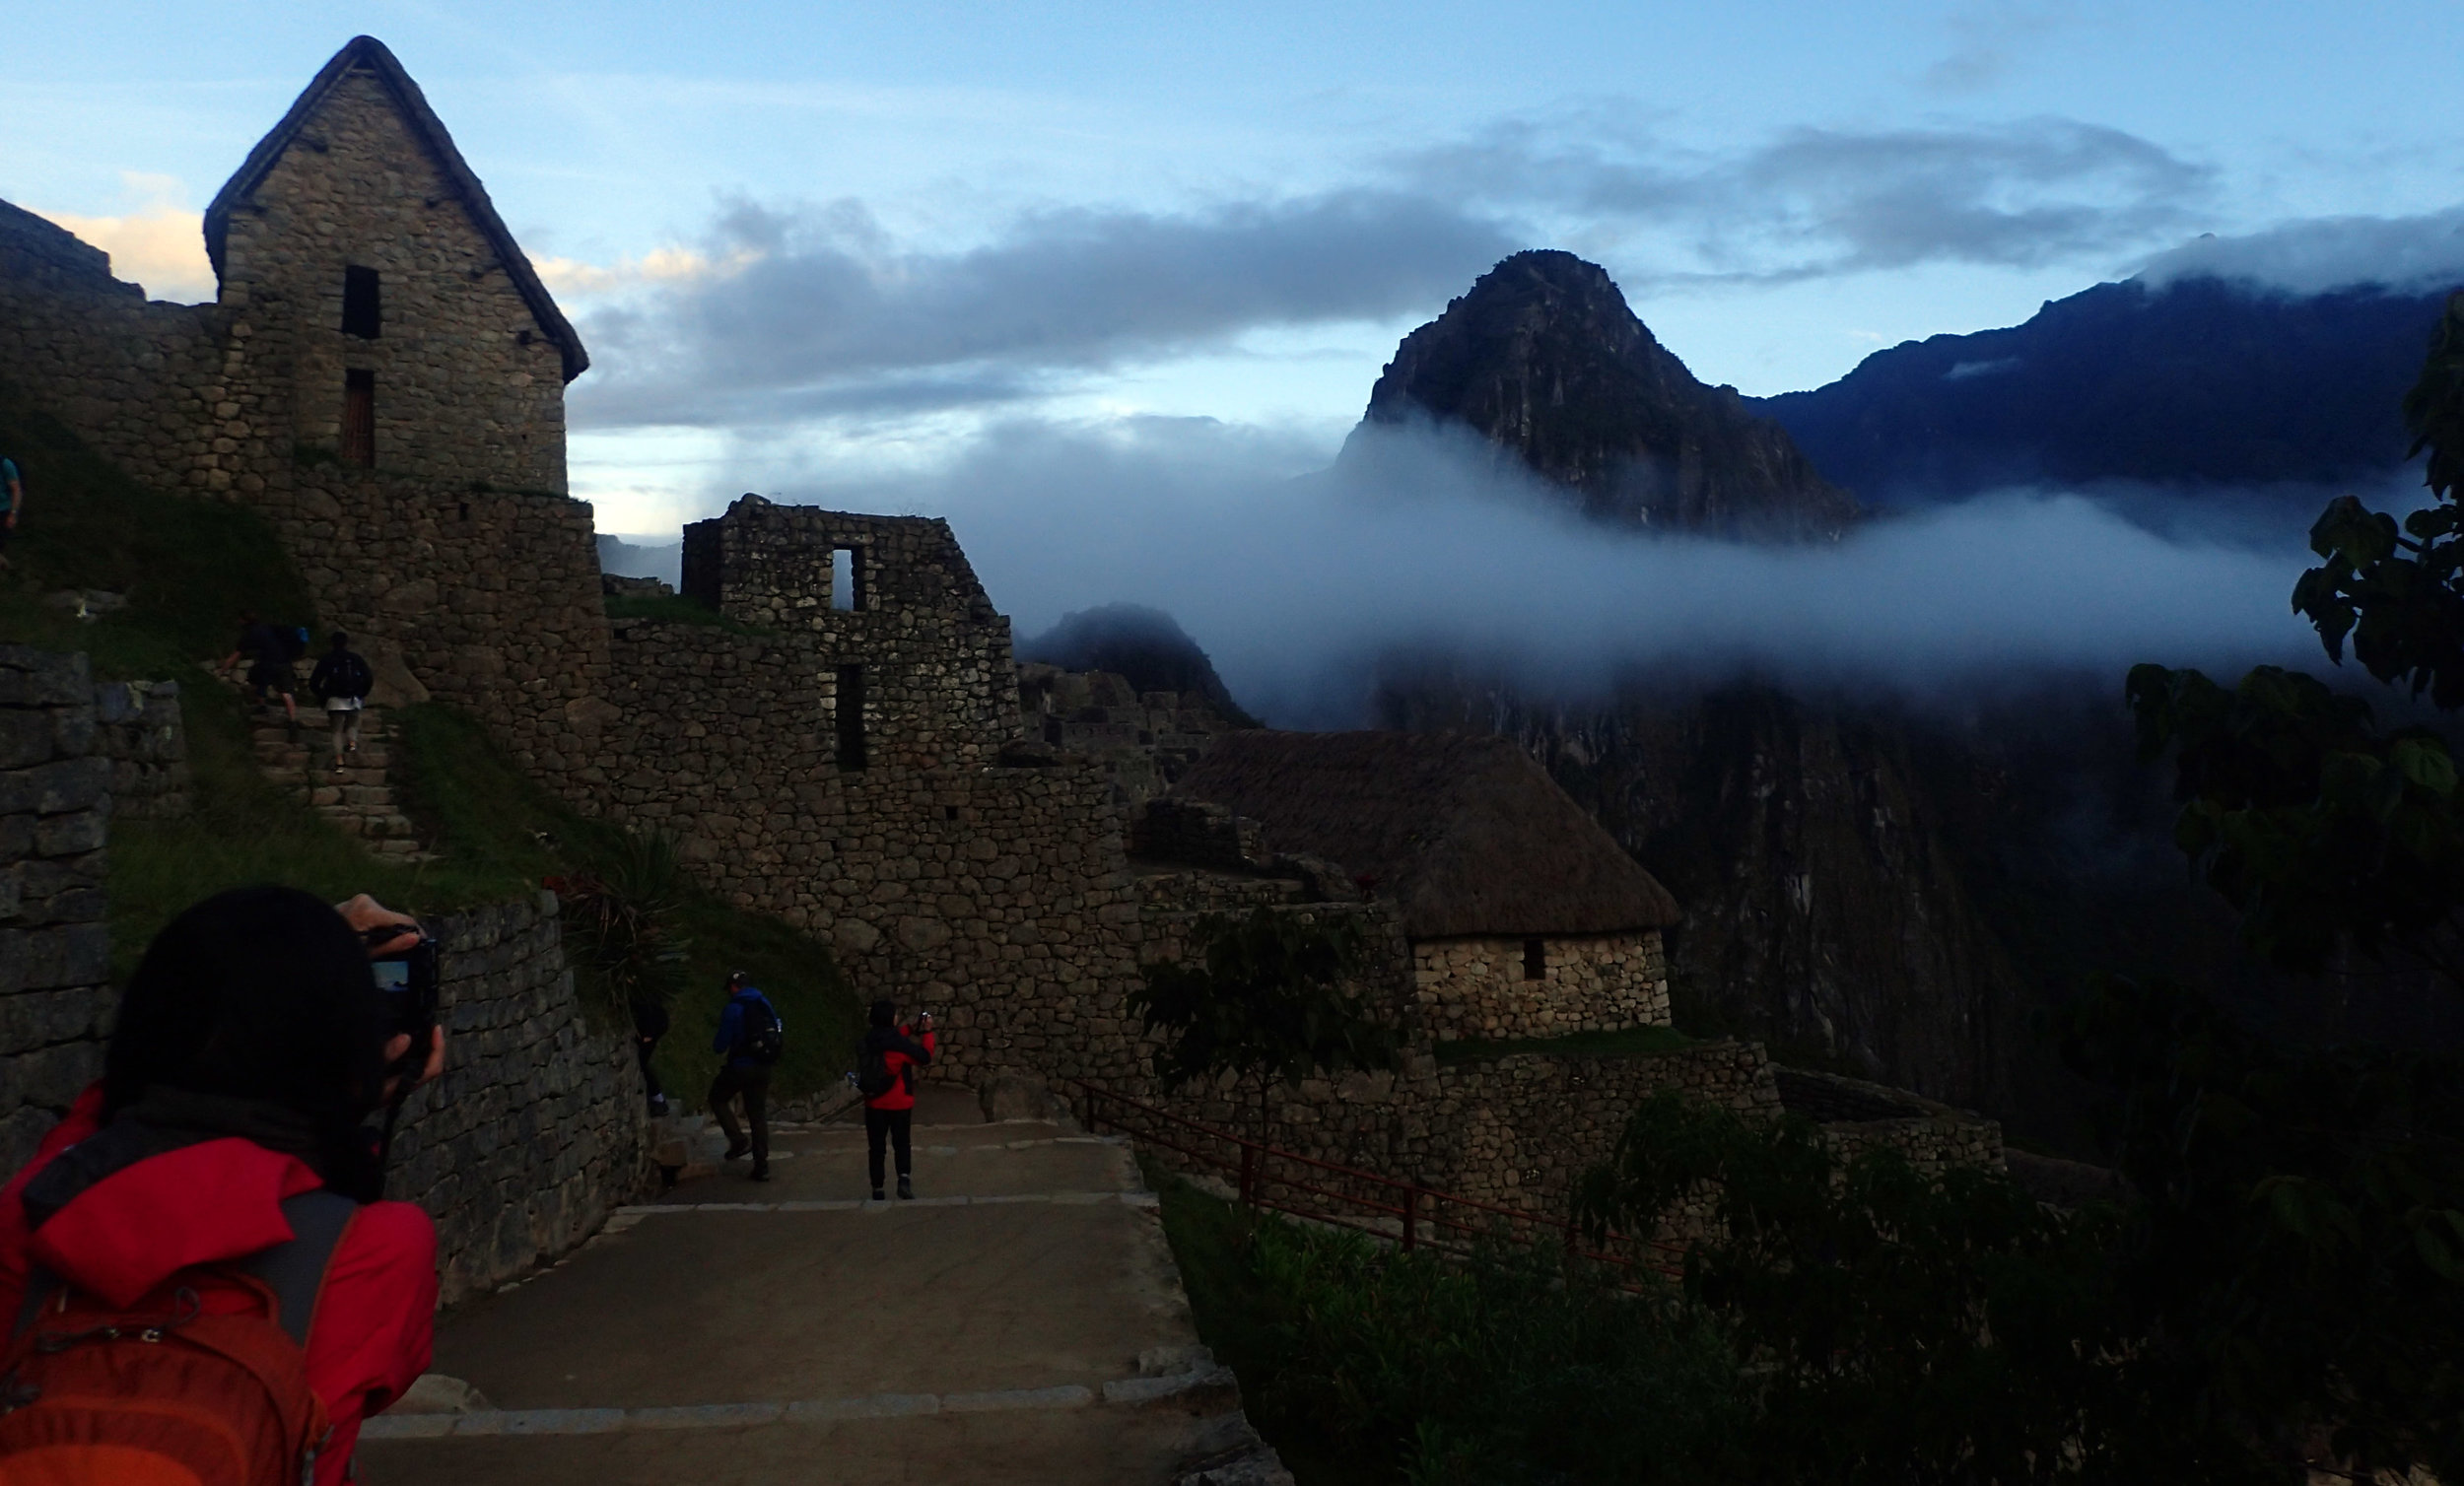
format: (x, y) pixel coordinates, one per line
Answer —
(2200, 382)
(1145, 647)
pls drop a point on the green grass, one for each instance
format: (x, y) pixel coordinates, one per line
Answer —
(675, 609)
(1236, 1313)
(1633, 1042)
(494, 822)
(1362, 1364)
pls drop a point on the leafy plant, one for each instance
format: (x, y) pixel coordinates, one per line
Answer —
(1902, 1327)
(627, 914)
(2320, 827)
(2293, 1274)
(1274, 993)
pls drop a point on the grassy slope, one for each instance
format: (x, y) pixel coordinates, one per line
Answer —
(188, 566)
(1234, 1310)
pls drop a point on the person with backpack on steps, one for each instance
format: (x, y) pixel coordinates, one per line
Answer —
(198, 1282)
(752, 1037)
(886, 1062)
(342, 681)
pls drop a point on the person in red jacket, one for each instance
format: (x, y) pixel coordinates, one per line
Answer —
(250, 1048)
(891, 1117)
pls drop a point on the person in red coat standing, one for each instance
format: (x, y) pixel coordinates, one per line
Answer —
(889, 1116)
(250, 1048)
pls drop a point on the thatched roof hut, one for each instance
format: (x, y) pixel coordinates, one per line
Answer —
(1464, 833)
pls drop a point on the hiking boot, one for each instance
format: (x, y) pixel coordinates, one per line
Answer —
(737, 1150)
(878, 1195)
(760, 1174)
(906, 1190)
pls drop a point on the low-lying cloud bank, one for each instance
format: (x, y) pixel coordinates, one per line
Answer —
(2317, 255)
(1301, 586)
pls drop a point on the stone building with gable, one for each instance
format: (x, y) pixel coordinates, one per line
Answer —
(1523, 918)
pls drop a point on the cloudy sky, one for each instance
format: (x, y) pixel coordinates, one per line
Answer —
(820, 246)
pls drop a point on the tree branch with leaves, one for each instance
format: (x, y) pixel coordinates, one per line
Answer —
(1276, 994)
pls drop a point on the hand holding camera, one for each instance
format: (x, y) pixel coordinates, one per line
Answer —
(404, 960)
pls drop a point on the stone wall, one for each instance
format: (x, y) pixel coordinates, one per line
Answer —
(539, 1126)
(55, 952)
(139, 728)
(1481, 988)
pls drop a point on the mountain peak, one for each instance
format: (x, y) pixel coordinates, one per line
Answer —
(1544, 359)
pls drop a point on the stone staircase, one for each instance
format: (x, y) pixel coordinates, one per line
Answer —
(358, 797)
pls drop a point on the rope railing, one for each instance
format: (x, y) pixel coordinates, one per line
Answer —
(1409, 1213)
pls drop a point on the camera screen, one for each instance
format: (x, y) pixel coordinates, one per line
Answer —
(392, 975)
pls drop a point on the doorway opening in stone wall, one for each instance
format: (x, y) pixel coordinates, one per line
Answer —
(851, 716)
(847, 578)
(1536, 959)
(359, 419)
(360, 312)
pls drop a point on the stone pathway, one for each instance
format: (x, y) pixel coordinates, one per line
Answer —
(1022, 1322)
(358, 797)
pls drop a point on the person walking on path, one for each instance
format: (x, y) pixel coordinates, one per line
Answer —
(11, 501)
(225, 1139)
(342, 681)
(749, 1034)
(649, 1024)
(269, 662)
(885, 1074)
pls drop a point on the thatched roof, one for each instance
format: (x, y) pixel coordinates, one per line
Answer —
(1465, 833)
(368, 54)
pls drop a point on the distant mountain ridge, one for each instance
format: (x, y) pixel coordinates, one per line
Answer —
(2199, 381)
(1544, 359)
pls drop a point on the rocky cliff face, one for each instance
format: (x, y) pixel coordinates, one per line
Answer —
(1545, 361)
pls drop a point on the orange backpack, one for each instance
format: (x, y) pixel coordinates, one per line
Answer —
(168, 1395)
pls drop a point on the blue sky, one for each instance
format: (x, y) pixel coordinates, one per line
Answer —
(820, 245)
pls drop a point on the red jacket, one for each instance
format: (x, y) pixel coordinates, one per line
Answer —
(222, 1200)
(902, 1095)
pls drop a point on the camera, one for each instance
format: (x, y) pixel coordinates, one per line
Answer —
(408, 981)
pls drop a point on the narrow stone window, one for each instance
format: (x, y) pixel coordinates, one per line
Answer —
(1536, 959)
(851, 716)
(359, 419)
(361, 316)
(846, 577)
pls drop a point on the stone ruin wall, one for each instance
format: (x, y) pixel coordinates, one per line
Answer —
(538, 1128)
(56, 950)
(458, 556)
(1474, 987)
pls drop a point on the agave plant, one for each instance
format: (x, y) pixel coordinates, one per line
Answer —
(626, 919)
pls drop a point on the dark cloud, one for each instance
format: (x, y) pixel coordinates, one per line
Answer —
(1814, 202)
(822, 313)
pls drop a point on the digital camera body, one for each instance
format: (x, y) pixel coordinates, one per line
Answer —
(408, 981)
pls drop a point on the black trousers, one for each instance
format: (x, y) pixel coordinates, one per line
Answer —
(754, 1083)
(643, 1050)
(897, 1127)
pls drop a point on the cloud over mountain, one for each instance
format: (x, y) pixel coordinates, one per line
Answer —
(2320, 254)
(817, 311)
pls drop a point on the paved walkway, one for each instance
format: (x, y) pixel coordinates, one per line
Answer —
(1021, 1323)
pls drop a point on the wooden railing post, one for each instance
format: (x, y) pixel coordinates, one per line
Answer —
(1249, 1172)
(1412, 1204)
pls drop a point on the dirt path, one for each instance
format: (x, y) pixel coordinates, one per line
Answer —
(1021, 1321)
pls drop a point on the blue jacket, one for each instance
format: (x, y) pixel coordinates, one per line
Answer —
(731, 1027)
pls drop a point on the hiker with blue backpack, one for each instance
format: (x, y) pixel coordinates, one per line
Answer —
(752, 1035)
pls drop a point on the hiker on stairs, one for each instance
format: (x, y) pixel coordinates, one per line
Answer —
(886, 1062)
(752, 1037)
(342, 681)
(268, 649)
